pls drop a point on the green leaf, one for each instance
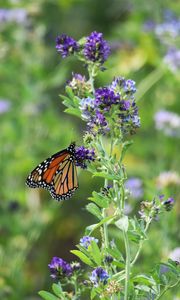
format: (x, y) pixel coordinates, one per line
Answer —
(142, 287)
(100, 200)
(83, 250)
(66, 101)
(76, 101)
(106, 175)
(134, 236)
(93, 227)
(125, 146)
(118, 264)
(83, 257)
(95, 252)
(92, 168)
(69, 92)
(47, 296)
(94, 210)
(114, 252)
(123, 223)
(57, 289)
(144, 279)
(93, 294)
(73, 111)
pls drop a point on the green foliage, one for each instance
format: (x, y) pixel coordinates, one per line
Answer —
(32, 75)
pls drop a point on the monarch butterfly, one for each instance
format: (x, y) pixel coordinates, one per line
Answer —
(57, 174)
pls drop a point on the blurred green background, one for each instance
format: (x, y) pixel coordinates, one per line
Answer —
(33, 227)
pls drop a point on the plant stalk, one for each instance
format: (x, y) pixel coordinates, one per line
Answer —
(140, 244)
(105, 227)
(128, 265)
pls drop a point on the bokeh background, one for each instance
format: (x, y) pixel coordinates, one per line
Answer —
(33, 227)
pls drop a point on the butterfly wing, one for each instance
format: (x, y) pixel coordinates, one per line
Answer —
(57, 174)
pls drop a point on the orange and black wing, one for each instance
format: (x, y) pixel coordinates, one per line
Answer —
(58, 174)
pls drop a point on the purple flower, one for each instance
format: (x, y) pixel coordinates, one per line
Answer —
(100, 120)
(18, 15)
(172, 59)
(105, 98)
(66, 45)
(175, 254)
(125, 105)
(125, 87)
(87, 108)
(168, 122)
(82, 155)
(168, 29)
(59, 267)
(129, 120)
(96, 49)
(168, 204)
(135, 187)
(85, 241)
(4, 106)
(135, 116)
(99, 275)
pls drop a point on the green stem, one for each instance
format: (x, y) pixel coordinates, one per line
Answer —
(105, 227)
(128, 265)
(166, 289)
(118, 197)
(91, 78)
(140, 244)
(122, 197)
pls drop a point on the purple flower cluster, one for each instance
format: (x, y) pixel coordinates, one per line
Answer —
(59, 267)
(85, 241)
(135, 187)
(66, 45)
(112, 107)
(126, 88)
(18, 15)
(172, 59)
(168, 32)
(105, 98)
(98, 276)
(96, 49)
(168, 122)
(169, 28)
(82, 155)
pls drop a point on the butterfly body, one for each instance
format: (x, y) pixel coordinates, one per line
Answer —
(57, 174)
